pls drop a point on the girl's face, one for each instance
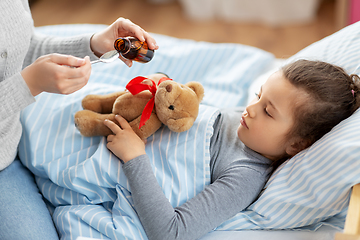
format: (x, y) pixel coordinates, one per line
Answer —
(268, 119)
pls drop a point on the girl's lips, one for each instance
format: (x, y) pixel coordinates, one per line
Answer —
(242, 122)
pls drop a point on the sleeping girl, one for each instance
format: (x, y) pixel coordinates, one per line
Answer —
(295, 107)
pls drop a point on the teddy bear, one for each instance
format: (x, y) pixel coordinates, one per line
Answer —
(156, 100)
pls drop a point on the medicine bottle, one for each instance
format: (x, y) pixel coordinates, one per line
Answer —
(133, 49)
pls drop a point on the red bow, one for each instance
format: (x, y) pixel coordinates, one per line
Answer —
(136, 86)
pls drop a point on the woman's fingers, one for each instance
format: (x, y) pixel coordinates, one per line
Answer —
(57, 73)
(126, 26)
(67, 60)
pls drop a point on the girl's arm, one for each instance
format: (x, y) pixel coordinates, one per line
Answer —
(234, 189)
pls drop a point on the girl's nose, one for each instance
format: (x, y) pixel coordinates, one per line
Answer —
(251, 110)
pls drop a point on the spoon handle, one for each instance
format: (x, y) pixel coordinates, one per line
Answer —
(95, 61)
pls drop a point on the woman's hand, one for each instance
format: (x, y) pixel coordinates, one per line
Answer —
(125, 144)
(57, 73)
(103, 41)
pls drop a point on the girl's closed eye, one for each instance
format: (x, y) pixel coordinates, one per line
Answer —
(266, 112)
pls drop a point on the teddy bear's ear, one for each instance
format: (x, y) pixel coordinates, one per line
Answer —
(197, 88)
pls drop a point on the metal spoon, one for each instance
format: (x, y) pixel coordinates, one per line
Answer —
(107, 57)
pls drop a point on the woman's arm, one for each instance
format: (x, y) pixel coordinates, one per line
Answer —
(78, 46)
(92, 45)
(47, 60)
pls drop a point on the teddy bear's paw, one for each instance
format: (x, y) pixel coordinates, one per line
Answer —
(180, 125)
(84, 123)
(91, 123)
(92, 102)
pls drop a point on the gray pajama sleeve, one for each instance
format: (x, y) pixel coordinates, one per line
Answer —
(230, 193)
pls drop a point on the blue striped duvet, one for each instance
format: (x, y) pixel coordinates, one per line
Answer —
(84, 181)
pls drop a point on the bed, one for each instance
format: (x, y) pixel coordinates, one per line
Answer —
(88, 195)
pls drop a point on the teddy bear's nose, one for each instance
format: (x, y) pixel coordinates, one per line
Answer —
(169, 88)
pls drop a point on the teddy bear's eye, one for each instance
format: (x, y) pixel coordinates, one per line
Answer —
(171, 107)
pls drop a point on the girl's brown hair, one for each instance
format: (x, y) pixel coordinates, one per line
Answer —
(333, 96)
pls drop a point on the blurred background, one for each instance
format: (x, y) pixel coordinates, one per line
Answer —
(282, 27)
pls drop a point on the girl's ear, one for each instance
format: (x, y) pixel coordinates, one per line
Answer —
(296, 146)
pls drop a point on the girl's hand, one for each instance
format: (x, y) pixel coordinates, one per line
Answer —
(125, 144)
(56, 73)
(103, 41)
